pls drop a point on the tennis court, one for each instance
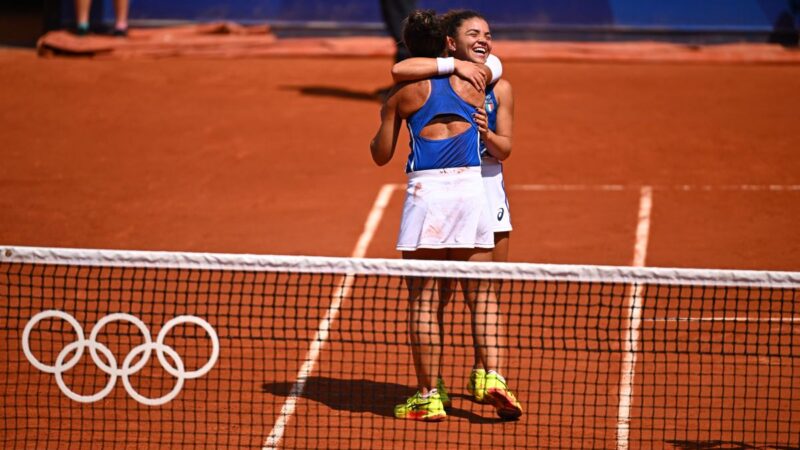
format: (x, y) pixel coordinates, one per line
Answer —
(658, 165)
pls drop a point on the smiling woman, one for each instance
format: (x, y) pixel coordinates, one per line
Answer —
(469, 45)
(446, 214)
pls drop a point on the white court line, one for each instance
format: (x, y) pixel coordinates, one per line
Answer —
(740, 187)
(342, 291)
(374, 219)
(727, 319)
(675, 187)
(634, 320)
(570, 187)
(643, 226)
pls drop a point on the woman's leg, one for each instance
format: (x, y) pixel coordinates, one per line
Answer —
(499, 254)
(487, 330)
(82, 13)
(424, 329)
(484, 308)
(501, 242)
(121, 14)
(446, 293)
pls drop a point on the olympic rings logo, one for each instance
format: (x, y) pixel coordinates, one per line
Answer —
(112, 368)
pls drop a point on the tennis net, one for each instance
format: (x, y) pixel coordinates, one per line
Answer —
(123, 348)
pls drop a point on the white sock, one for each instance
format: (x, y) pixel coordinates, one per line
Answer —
(430, 392)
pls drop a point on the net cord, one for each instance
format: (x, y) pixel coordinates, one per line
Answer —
(397, 267)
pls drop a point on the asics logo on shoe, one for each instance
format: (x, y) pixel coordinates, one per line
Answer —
(420, 404)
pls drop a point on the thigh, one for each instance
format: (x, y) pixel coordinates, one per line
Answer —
(470, 254)
(420, 286)
(500, 251)
(473, 288)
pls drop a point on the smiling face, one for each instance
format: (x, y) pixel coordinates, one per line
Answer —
(472, 41)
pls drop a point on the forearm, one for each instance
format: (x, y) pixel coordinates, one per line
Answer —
(383, 144)
(498, 146)
(498, 140)
(381, 149)
(412, 69)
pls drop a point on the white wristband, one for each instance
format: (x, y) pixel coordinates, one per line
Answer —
(445, 66)
(494, 64)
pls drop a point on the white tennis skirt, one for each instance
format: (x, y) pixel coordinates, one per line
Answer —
(492, 172)
(446, 208)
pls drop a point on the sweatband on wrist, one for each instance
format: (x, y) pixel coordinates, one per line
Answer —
(494, 64)
(445, 66)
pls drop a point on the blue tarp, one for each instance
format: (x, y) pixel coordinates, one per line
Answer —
(677, 15)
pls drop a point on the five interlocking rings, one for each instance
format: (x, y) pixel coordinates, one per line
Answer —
(112, 368)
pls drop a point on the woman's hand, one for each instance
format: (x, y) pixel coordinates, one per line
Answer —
(474, 73)
(482, 121)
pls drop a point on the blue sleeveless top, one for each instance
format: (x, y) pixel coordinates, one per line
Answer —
(490, 105)
(462, 150)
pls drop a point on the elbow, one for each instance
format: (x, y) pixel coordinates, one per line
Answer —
(379, 161)
(505, 150)
(378, 156)
(501, 153)
(396, 75)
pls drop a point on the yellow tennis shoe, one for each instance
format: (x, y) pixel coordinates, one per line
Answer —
(417, 407)
(476, 386)
(501, 397)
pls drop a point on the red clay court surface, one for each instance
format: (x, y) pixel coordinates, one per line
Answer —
(270, 156)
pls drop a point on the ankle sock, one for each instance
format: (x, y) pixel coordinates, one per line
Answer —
(430, 392)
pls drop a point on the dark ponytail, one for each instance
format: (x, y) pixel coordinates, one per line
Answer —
(424, 34)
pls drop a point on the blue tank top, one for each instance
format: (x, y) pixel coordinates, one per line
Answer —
(462, 150)
(490, 105)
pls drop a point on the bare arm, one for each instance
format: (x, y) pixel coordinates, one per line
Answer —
(383, 144)
(499, 142)
(413, 69)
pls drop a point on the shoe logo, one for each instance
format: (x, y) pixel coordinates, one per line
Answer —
(500, 213)
(112, 369)
(418, 402)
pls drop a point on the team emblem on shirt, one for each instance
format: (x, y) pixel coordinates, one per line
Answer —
(489, 104)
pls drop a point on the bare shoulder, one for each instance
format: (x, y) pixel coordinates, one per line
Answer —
(467, 91)
(410, 96)
(503, 88)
